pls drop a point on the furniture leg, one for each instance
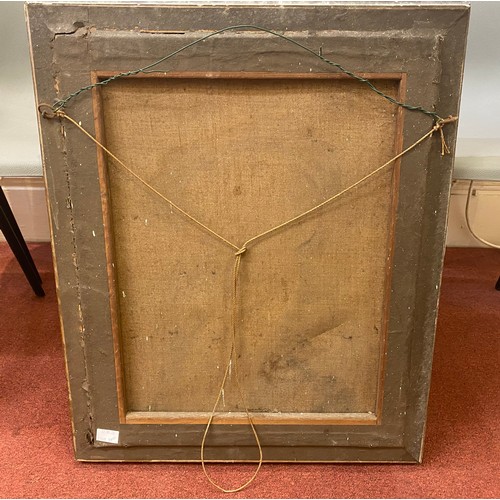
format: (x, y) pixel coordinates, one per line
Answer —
(15, 239)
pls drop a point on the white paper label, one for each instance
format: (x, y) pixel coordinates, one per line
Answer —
(107, 436)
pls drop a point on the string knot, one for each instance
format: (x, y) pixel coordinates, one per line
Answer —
(241, 251)
(440, 123)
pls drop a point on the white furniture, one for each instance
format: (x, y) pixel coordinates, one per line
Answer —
(478, 160)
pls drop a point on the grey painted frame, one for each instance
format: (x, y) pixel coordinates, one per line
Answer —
(426, 42)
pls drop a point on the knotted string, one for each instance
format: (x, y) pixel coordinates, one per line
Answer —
(49, 112)
(232, 364)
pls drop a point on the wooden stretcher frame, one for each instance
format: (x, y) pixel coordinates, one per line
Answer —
(73, 45)
(137, 417)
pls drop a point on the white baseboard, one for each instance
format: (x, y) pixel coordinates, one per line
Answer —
(26, 196)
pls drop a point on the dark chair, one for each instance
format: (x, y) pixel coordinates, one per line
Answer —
(15, 239)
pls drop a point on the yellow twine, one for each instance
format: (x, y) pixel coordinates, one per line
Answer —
(240, 250)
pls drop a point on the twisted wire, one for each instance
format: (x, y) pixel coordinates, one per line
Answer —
(62, 103)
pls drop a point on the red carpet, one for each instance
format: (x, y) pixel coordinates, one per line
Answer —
(462, 447)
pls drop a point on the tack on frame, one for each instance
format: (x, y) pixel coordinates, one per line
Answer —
(425, 43)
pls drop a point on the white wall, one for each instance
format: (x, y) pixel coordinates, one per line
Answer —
(480, 108)
(479, 127)
(18, 126)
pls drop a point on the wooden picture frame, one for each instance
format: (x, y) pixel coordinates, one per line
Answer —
(137, 340)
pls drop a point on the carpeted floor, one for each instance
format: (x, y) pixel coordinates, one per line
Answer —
(462, 447)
